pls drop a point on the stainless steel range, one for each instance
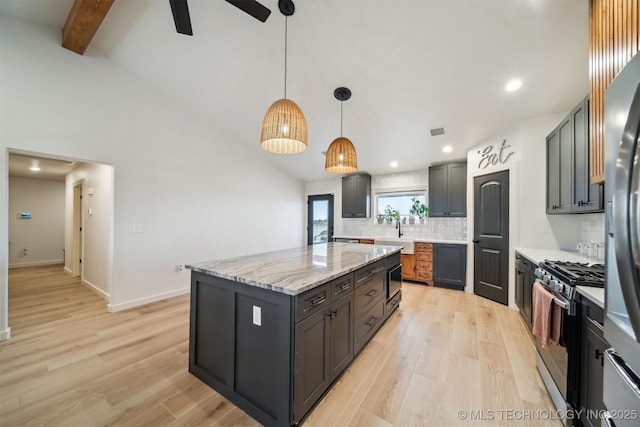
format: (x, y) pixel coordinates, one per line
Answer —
(558, 363)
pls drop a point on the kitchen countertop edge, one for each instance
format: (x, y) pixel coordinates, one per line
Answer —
(299, 286)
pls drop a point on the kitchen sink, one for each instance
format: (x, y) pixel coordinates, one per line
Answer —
(407, 244)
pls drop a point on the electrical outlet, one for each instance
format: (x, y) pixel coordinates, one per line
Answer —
(180, 267)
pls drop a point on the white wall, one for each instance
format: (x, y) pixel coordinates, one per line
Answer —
(43, 234)
(97, 198)
(199, 193)
(529, 225)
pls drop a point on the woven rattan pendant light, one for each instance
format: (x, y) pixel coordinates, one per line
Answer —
(284, 128)
(341, 154)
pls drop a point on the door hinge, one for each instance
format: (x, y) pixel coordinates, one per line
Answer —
(80, 260)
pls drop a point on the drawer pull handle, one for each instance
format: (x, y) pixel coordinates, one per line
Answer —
(344, 287)
(318, 300)
(372, 322)
(372, 292)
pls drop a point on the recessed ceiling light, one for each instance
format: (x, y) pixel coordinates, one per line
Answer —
(35, 168)
(513, 85)
(447, 149)
(394, 164)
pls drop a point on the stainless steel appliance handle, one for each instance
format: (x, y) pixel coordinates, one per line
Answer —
(563, 304)
(569, 306)
(617, 362)
(625, 213)
(608, 419)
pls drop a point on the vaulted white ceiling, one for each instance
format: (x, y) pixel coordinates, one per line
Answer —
(412, 65)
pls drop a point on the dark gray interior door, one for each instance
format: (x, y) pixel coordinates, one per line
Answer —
(320, 220)
(491, 236)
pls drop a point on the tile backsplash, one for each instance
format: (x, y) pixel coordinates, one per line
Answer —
(433, 228)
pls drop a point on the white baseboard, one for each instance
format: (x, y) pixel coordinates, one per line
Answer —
(96, 289)
(5, 335)
(142, 301)
(37, 263)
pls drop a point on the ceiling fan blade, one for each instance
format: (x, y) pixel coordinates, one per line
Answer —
(181, 17)
(253, 8)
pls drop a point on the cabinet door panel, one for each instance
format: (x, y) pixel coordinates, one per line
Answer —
(566, 152)
(313, 373)
(362, 196)
(450, 265)
(553, 172)
(580, 161)
(529, 278)
(457, 190)
(438, 191)
(591, 374)
(408, 266)
(341, 334)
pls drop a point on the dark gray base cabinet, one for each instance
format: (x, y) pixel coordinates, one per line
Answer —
(223, 340)
(592, 347)
(275, 355)
(525, 277)
(450, 266)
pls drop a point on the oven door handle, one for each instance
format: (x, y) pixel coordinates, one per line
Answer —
(570, 306)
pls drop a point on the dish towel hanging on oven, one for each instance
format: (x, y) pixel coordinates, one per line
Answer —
(542, 305)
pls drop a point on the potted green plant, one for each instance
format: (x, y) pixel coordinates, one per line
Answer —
(388, 214)
(415, 210)
(380, 218)
(396, 215)
(423, 213)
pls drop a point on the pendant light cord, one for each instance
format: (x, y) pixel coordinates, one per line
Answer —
(285, 56)
(341, 102)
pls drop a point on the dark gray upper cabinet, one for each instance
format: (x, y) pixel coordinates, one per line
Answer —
(568, 186)
(587, 197)
(449, 265)
(356, 196)
(448, 190)
(559, 168)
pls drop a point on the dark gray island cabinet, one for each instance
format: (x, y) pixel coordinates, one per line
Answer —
(272, 332)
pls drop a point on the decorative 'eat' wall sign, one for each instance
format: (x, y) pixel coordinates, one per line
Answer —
(491, 157)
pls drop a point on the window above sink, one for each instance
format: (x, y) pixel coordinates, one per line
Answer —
(398, 200)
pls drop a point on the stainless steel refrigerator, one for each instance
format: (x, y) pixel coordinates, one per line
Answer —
(622, 287)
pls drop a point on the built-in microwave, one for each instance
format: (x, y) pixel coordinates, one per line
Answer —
(394, 281)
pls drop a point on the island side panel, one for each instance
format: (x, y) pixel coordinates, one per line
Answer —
(250, 328)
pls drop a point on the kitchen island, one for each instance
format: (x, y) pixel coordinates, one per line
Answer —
(271, 332)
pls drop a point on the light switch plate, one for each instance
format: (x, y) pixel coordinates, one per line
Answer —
(257, 315)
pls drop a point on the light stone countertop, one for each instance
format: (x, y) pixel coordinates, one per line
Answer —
(294, 271)
(594, 294)
(419, 239)
(539, 255)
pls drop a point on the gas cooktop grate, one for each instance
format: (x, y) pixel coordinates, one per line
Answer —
(575, 273)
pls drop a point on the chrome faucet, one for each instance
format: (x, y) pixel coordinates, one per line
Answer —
(399, 228)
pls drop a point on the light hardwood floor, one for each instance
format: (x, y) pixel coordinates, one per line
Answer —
(442, 356)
